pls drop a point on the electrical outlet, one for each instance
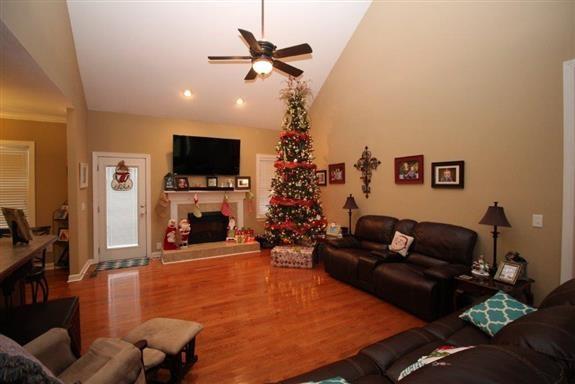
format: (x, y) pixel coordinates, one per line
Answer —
(158, 246)
(537, 221)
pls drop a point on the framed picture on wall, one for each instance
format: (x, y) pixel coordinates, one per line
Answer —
(321, 177)
(337, 173)
(448, 174)
(83, 177)
(409, 170)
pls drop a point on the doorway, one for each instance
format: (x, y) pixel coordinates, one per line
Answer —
(122, 220)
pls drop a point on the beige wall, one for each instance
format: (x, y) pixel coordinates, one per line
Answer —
(50, 163)
(114, 132)
(480, 82)
(43, 28)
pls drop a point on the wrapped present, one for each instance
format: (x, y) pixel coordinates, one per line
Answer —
(293, 256)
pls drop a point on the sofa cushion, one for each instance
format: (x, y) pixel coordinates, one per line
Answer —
(375, 228)
(18, 366)
(550, 331)
(342, 263)
(455, 331)
(372, 245)
(496, 312)
(406, 226)
(425, 261)
(400, 243)
(446, 242)
(562, 295)
(491, 364)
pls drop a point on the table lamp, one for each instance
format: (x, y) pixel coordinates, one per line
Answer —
(350, 204)
(495, 216)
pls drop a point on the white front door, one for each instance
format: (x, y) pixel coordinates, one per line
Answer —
(120, 201)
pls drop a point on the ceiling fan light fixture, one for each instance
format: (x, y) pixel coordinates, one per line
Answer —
(262, 65)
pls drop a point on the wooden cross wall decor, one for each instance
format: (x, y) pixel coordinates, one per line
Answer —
(366, 164)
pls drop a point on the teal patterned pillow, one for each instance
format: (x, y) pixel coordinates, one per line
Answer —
(496, 312)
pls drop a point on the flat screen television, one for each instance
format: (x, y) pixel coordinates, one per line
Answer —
(193, 155)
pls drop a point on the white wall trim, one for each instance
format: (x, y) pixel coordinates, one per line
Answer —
(33, 117)
(259, 158)
(148, 159)
(79, 276)
(568, 227)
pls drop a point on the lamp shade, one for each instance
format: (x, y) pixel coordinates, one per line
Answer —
(495, 216)
(350, 203)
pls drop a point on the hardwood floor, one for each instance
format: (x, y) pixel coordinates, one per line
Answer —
(261, 323)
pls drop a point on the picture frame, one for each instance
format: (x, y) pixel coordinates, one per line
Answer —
(182, 183)
(448, 174)
(321, 177)
(409, 170)
(169, 182)
(83, 176)
(64, 234)
(243, 183)
(508, 272)
(211, 181)
(336, 173)
(18, 225)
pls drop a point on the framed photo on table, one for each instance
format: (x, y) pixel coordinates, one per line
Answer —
(508, 272)
(243, 183)
(448, 174)
(409, 170)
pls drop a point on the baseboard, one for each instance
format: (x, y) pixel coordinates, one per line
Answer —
(79, 276)
(53, 266)
(156, 255)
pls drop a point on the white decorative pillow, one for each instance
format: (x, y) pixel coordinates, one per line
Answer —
(400, 243)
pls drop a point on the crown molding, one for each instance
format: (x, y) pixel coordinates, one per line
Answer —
(33, 117)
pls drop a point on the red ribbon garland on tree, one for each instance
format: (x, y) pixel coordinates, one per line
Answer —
(290, 165)
(288, 202)
(297, 135)
(290, 225)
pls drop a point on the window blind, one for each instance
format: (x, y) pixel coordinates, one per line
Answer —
(17, 178)
(265, 173)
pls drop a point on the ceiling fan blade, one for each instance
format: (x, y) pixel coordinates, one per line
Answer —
(251, 40)
(296, 50)
(229, 57)
(251, 75)
(293, 71)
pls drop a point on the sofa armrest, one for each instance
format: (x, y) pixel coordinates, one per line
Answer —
(344, 242)
(387, 256)
(125, 367)
(53, 349)
(446, 272)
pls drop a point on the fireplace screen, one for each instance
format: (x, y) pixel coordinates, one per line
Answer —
(212, 226)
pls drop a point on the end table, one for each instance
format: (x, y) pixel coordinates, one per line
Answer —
(467, 286)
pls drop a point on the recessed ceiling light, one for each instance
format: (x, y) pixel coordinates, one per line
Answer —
(187, 93)
(240, 101)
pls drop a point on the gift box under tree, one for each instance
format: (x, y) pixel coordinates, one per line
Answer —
(292, 256)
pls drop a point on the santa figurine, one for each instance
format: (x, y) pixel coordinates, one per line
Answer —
(185, 229)
(170, 238)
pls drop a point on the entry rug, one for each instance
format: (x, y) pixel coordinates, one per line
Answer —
(126, 263)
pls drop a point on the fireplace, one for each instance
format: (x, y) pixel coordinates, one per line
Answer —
(212, 226)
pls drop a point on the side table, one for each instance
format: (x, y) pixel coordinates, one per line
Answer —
(467, 288)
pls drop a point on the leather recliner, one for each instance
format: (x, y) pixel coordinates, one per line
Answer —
(537, 348)
(422, 282)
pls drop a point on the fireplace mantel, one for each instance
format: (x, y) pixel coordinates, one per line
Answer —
(207, 197)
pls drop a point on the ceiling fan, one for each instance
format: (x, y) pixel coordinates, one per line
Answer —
(264, 55)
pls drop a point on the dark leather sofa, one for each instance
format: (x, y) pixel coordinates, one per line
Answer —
(536, 349)
(422, 282)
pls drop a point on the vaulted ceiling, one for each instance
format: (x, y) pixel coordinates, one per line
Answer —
(138, 57)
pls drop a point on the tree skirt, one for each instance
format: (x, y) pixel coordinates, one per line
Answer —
(126, 263)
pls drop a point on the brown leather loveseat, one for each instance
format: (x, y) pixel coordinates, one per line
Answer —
(422, 282)
(538, 348)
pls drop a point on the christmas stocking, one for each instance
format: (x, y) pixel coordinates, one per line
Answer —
(226, 210)
(196, 208)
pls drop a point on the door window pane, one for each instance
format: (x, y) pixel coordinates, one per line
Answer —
(122, 212)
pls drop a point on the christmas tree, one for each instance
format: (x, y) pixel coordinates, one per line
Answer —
(295, 214)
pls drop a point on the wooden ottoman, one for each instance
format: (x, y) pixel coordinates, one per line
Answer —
(292, 256)
(175, 338)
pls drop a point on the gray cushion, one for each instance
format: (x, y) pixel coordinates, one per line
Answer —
(167, 335)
